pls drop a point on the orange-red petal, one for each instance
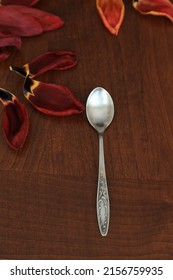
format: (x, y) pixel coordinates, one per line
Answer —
(111, 13)
(155, 7)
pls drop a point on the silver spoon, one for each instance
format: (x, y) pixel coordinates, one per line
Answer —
(100, 112)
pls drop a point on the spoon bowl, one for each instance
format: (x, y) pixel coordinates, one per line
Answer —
(100, 113)
(100, 109)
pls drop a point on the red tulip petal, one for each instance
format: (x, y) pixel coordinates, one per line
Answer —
(7, 40)
(155, 7)
(10, 40)
(19, 2)
(14, 22)
(53, 60)
(15, 122)
(48, 21)
(4, 53)
(50, 99)
(111, 13)
(26, 21)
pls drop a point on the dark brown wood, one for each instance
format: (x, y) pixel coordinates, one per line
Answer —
(48, 189)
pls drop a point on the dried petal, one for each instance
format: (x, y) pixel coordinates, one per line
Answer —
(4, 53)
(15, 122)
(48, 21)
(19, 2)
(7, 40)
(111, 13)
(26, 21)
(53, 60)
(51, 99)
(155, 7)
(14, 22)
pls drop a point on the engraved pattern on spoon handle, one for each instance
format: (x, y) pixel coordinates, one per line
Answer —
(103, 206)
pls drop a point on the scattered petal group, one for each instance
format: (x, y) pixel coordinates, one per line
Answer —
(17, 20)
(50, 99)
(112, 11)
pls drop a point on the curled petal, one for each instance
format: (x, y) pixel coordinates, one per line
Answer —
(111, 13)
(26, 21)
(4, 53)
(155, 7)
(15, 122)
(51, 99)
(19, 2)
(7, 40)
(53, 60)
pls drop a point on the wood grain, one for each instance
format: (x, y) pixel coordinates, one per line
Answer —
(48, 189)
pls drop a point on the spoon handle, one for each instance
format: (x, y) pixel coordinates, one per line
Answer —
(103, 206)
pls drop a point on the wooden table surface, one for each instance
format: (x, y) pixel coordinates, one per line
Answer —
(48, 189)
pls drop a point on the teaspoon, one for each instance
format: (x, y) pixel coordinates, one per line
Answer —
(100, 112)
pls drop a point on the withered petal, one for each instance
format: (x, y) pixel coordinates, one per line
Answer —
(52, 60)
(51, 99)
(4, 53)
(14, 22)
(7, 40)
(47, 20)
(112, 14)
(155, 7)
(15, 123)
(26, 21)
